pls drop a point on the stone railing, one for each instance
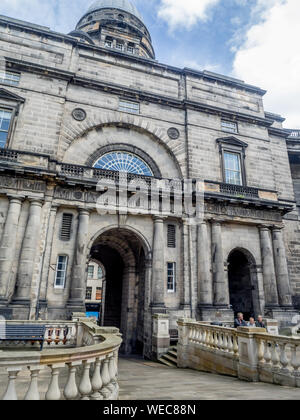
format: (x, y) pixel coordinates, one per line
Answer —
(57, 334)
(88, 371)
(247, 353)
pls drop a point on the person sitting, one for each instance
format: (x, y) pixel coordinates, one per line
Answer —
(259, 323)
(239, 321)
(251, 322)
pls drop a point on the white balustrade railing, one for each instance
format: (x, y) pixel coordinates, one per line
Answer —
(215, 338)
(248, 353)
(88, 371)
(278, 354)
(57, 334)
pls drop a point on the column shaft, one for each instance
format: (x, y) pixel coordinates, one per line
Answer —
(79, 263)
(282, 275)
(186, 300)
(205, 289)
(8, 244)
(221, 292)
(158, 264)
(270, 287)
(28, 252)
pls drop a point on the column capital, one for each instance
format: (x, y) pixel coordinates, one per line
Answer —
(277, 228)
(159, 219)
(17, 198)
(83, 211)
(217, 221)
(264, 227)
(36, 201)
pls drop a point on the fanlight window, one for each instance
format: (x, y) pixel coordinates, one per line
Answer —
(123, 162)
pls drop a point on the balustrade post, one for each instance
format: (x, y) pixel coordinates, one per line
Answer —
(283, 358)
(267, 354)
(97, 381)
(53, 393)
(11, 394)
(275, 357)
(71, 389)
(105, 379)
(85, 387)
(33, 390)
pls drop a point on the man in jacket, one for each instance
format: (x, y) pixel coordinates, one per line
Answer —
(239, 321)
(259, 322)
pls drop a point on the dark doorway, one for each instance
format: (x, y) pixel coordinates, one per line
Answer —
(114, 267)
(240, 285)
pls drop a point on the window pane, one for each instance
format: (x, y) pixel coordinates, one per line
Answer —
(232, 162)
(61, 269)
(91, 271)
(124, 162)
(229, 126)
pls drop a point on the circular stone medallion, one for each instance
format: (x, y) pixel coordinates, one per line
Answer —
(173, 133)
(79, 114)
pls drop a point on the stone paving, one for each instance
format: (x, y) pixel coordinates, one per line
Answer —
(144, 380)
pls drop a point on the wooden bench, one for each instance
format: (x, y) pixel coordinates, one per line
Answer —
(30, 333)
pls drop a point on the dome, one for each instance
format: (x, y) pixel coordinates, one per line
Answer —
(124, 5)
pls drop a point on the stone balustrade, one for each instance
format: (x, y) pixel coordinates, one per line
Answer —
(57, 334)
(247, 353)
(88, 371)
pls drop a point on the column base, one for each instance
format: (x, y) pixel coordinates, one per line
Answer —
(158, 308)
(209, 313)
(75, 305)
(286, 316)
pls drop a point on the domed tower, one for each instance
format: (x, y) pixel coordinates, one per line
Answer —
(116, 25)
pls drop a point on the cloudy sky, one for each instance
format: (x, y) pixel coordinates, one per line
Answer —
(257, 41)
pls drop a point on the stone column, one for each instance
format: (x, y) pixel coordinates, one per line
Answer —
(220, 283)
(270, 287)
(28, 252)
(8, 244)
(186, 296)
(48, 250)
(205, 287)
(282, 275)
(78, 285)
(158, 265)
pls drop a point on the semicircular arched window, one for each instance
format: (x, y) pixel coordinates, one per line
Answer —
(123, 162)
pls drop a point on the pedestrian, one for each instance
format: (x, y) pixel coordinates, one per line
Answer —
(239, 321)
(259, 322)
(251, 322)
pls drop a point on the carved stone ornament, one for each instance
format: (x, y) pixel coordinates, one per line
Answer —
(79, 114)
(173, 133)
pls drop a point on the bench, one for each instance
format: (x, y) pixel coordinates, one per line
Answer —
(30, 333)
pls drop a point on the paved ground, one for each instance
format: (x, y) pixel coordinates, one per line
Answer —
(143, 380)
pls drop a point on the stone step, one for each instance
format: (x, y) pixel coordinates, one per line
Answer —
(166, 363)
(173, 353)
(170, 358)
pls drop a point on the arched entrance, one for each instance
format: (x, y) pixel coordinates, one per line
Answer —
(123, 254)
(243, 284)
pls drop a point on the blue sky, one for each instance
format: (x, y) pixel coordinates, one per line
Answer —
(253, 40)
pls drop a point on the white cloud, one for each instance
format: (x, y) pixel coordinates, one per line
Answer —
(270, 57)
(185, 13)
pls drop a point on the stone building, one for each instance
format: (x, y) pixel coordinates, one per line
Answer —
(77, 108)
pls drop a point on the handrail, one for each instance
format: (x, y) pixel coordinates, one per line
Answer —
(96, 356)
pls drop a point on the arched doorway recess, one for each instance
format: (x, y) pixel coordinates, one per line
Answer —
(243, 283)
(123, 254)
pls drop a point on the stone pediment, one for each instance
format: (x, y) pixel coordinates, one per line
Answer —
(232, 141)
(6, 94)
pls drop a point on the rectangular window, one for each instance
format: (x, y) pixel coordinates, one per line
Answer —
(89, 292)
(119, 46)
(171, 286)
(171, 236)
(5, 118)
(127, 106)
(100, 273)
(9, 78)
(108, 44)
(66, 227)
(229, 126)
(61, 271)
(232, 165)
(98, 293)
(90, 271)
(130, 49)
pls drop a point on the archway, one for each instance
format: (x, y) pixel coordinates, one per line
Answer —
(122, 254)
(243, 284)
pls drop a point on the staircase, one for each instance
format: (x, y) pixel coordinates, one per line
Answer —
(170, 358)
